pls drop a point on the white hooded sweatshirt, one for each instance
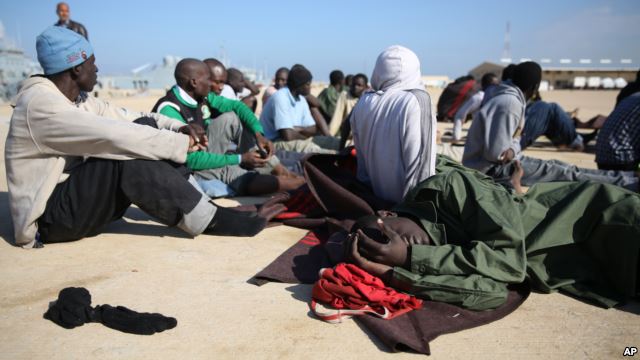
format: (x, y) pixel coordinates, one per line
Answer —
(394, 127)
(49, 134)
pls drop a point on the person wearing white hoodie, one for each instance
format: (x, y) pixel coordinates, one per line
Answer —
(394, 127)
(493, 142)
(75, 163)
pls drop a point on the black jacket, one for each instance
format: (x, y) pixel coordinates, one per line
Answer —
(75, 26)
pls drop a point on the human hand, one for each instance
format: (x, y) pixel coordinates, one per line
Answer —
(376, 269)
(252, 159)
(264, 144)
(393, 253)
(197, 138)
(507, 156)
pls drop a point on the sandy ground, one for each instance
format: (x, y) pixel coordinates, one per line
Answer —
(202, 282)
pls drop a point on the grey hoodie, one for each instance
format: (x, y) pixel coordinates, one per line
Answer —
(394, 127)
(49, 134)
(495, 128)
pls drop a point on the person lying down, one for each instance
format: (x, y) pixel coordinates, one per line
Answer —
(459, 237)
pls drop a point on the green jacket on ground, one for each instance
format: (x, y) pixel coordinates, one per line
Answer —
(579, 237)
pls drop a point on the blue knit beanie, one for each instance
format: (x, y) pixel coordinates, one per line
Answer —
(60, 49)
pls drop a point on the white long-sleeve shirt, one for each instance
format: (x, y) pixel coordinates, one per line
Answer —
(49, 133)
(471, 106)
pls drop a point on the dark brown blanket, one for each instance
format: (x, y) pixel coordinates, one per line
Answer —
(410, 332)
(331, 181)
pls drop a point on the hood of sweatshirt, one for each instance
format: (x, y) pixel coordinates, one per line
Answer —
(397, 68)
(506, 88)
(38, 80)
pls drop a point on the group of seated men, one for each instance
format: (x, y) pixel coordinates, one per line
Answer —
(479, 236)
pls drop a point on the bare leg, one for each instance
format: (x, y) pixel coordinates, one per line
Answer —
(516, 178)
(268, 184)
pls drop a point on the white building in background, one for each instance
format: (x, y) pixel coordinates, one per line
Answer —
(607, 75)
(15, 66)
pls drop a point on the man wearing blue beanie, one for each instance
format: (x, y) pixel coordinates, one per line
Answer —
(75, 163)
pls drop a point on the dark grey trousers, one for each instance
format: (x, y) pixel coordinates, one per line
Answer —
(538, 170)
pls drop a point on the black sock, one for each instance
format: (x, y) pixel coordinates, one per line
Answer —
(235, 223)
(132, 322)
(73, 308)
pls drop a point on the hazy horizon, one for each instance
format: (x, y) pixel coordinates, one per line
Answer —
(449, 38)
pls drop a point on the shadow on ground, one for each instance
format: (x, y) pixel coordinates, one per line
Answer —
(6, 229)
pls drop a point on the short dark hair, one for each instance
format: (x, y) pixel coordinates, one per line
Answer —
(527, 75)
(361, 76)
(282, 69)
(336, 77)
(298, 76)
(487, 79)
(234, 74)
(507, 72)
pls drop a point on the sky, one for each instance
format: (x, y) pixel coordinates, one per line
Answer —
(449, 37)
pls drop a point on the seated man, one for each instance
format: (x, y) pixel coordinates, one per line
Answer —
(329, 96)
(550, 120)
(472, 105)
(287, 119)
(232, 149)
(242, 89)
(346, 102)
(618, 145)
(459, 237)
(75, 163)
(394, 130)
(493, 142)
(279, 81)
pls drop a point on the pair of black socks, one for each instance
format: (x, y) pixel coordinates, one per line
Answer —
(73, 308)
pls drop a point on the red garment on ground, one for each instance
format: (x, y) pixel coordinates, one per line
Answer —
(349, 287)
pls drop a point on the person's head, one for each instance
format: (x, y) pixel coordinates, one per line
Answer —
(527, 77)
(194, 77)
(397, 68)
(336, 78)
(235, 79)
(299, 80)
(280, 80)
(64, 53)
(489, 79)
(348, 79)
(218, 75)
(62, 9)
(507, 72)
(406, 228)
(358, 85)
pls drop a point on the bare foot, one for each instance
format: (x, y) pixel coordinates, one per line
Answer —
(574, 113)
(516, 177)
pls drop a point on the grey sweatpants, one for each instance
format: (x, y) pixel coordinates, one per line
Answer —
(227, 135)
(315, 144)
(538, 170)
